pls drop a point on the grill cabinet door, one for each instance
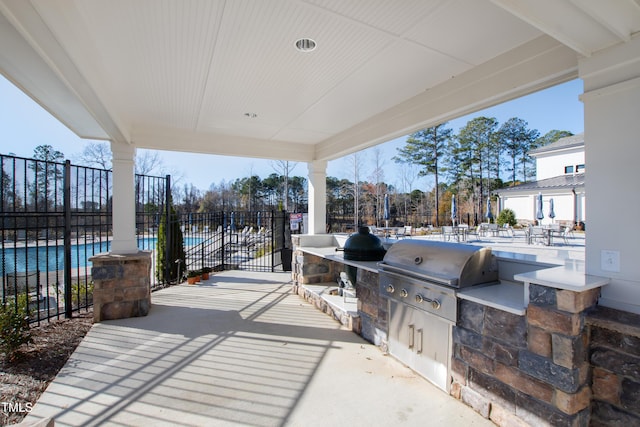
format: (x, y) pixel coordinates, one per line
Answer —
(421, 341)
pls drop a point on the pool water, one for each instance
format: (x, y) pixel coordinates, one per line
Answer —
(51, 258)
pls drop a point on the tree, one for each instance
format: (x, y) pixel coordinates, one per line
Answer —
(47, 153)
(517, 140)
(191, 199)
(424, 148)
(96, 154)
(377, 178)
(475, 139)
(171, 263)
(271, 186)
(355, 162)
(298, 190)
(407, 177)
(249, 189)
(552, 136)
(48, 174)
(285, 167)
(148, 162)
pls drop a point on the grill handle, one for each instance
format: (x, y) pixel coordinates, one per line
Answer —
(411, 336)
(397, 270)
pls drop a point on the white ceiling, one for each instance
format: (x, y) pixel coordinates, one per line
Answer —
(181, 74)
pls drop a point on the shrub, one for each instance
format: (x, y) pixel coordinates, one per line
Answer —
(14, 326)
(81, 293)
(193, 273)
(168, 265)
(507, 216)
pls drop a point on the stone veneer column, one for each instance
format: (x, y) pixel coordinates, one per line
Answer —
(615, 361)
(122, 285)
(526, 370)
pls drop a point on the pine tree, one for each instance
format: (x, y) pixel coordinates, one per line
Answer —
(170, 264)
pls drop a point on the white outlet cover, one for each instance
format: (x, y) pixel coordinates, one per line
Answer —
(610, 261)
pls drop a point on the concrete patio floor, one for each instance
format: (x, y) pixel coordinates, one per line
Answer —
(239, 349)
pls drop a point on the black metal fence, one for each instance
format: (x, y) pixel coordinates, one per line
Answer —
(55, 216)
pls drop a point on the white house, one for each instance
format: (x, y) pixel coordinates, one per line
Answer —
(560, 172)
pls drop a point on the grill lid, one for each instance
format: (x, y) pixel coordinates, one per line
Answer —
(363, 246)
(450, 264)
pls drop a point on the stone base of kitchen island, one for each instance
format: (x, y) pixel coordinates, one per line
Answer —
(323, 297)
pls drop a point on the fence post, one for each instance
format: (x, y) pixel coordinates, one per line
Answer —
(274, 240)
(167, 229)
(224, 231)
(68, 304)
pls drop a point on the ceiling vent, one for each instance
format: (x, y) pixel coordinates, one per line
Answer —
(305, 45)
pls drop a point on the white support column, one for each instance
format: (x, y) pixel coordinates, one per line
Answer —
(317, 197)
(124, 209)
(611, 107)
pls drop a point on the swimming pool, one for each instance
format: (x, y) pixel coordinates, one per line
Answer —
(51, 258)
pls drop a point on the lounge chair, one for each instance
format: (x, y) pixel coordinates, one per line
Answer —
(406, 231)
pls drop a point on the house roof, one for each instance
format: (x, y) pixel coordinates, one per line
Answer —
(555, 183)
(225, 77)
(561, 144)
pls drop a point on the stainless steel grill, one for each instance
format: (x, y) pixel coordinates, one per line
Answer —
(420, 279)
(448, 264)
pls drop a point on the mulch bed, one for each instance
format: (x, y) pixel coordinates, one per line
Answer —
(23, 380)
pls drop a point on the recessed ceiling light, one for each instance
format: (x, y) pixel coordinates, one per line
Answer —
(305, 45)
(251, 115)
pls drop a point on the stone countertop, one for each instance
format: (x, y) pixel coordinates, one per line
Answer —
(570, 276)
(506, 296)
(330, 253)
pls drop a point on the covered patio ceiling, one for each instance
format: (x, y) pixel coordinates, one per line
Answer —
(225, 77)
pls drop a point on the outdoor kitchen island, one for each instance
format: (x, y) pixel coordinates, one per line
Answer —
(517, 349)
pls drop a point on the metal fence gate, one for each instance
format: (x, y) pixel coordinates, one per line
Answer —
(235, 240)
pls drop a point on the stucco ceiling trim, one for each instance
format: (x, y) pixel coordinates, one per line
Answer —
(158, 138)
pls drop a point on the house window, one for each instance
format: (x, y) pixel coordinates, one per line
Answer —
(568, 169)
(579, 168)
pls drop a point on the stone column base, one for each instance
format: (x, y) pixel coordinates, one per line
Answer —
(121, 285)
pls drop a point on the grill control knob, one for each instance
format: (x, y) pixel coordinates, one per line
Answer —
(404, 293)
(390, 289)
(435, 304)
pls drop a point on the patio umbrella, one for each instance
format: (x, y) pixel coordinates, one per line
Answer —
(259, 220)
(489, 213)
(454, 210)
(233, 220)
(539, 213)
(552, 214)
(385, 214)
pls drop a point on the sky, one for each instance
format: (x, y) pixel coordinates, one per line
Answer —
(24, 125)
